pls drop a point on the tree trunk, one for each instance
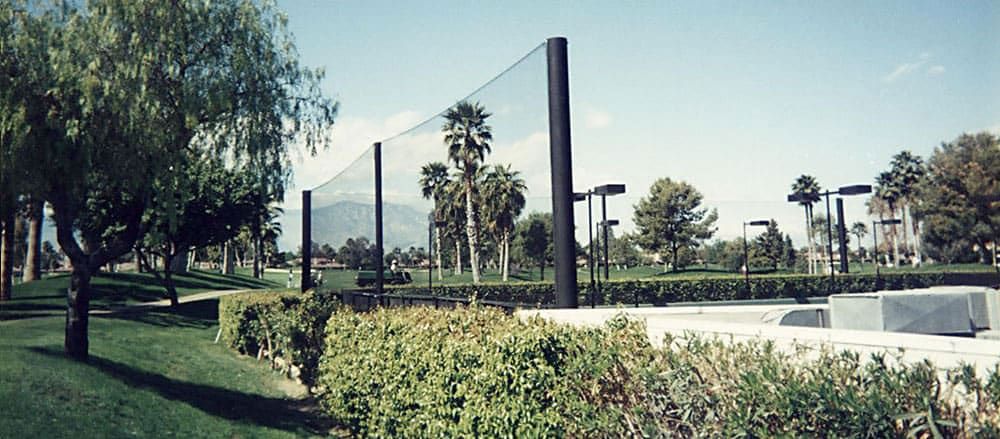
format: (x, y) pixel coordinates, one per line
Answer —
(33, 261)
(918, 257)
(227, 258)
(472, 229)
(895, 239)
(168, 282)
(541, 268)
(809, 239)
(256, 260)
(505, 259)
(77, 312)
(7, 257)
(178, 262)
(458, 257)
(902, 216)
(437, 242)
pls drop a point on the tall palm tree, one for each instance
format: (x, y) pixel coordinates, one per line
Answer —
(453, 213)
(468, 139)
(808, 189)
(433, 180)
(907, 170)
(504, 190)
(887, 190)
(859, 230)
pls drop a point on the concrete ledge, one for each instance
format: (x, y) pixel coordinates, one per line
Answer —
(943, 351)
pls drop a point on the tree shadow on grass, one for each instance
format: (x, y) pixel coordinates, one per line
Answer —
(198, 314)
(298, 416)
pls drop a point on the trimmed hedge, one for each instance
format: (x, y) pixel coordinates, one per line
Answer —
(662, 291)
(478, 372)
(285, 327)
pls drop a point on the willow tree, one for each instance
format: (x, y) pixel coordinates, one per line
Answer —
(133, 89)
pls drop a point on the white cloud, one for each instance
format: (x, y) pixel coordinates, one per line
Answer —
(594, 118)
(936, 70)
(907, 68)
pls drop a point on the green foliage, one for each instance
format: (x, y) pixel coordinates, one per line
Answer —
(769, 247)
(662, 291)
(533, 240)
(287, 327)
(671, 219)
(408, 372)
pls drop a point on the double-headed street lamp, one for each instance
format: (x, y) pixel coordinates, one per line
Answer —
(875, 224)
(746, 251)
(604, 191)
(856, 189)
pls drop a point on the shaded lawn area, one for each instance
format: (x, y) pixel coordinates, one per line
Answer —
(150, 375)
(47, 297)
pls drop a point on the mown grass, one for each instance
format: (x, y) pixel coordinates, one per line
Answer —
(47, 297)
(156, 374)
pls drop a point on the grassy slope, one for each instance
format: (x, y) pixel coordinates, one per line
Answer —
(151, 375)
(112, 290)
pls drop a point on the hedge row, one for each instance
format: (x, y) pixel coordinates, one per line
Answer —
(285, 327)
(421, 372)
(662, 291)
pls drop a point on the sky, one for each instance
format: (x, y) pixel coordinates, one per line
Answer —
(736, 98)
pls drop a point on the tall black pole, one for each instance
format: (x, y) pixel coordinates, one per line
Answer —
(604, 231)
(829, 236)
(746, 259)
(842, 234)
(562, 174)
(430, 254)
(380, 262)
(590, 248)
(875, 251)
(306, 241)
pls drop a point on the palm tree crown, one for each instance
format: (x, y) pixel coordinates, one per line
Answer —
(467, 135)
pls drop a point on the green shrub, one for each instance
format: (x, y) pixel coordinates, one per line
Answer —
(662, 291)
(478, 372)
(287, 327)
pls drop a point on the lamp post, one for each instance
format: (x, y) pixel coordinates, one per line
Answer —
(875, 239)
(605, 225)
(580, 196)
(432, 224)
(856, 189)
(746, 251)
(605, 191)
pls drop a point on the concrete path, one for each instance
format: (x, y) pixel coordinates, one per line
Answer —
(165, 303)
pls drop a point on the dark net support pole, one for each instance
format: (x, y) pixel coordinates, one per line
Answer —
(306, 240)
(562, 174)
(380, 258)
(842, 236)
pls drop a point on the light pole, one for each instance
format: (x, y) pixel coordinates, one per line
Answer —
(580, 196)
(746, 251)
(605, 225)
(605, 191)
(856, 189)
(432, 224)
(875, 239)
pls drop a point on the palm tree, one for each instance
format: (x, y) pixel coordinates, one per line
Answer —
(887, 190)
(468, 139)
(433, 179)
(807, 188)
(504, 189)
(453, 213)
(907, 170)
(859, 230)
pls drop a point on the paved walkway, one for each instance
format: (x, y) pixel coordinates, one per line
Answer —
(166, 302)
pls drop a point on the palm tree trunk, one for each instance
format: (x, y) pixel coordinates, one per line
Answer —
(505, 259)
(33, 261)
(918, 258)
(7, 257)
(812, 240)
(437, 242)
(458, 257)
(471, 229)
(809, 243)
(902, 215)
(895, 238)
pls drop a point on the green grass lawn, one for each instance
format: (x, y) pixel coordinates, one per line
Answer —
(114, 290)
(156, 374)
(339, 279)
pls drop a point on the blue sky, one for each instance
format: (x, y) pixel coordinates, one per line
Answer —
(737, 98)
